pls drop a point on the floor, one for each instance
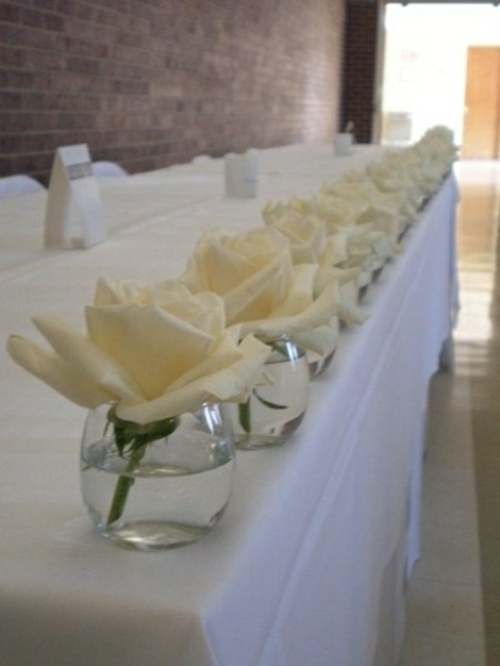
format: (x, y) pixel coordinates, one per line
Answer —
(453, 599)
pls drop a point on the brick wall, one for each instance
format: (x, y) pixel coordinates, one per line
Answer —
(149, 83)
(359, 66)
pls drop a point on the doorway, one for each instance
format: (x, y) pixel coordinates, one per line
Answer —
(425, 61)
(481, 138)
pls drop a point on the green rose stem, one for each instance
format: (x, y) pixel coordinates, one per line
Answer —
(244, 415)
(125, 483)
(132, 440)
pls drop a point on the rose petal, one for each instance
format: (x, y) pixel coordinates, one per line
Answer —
(86, 358)
(319, 312)
(54, 371)
(230, 383)
(150, 344)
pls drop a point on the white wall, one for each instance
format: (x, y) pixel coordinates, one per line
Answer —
(425, 61)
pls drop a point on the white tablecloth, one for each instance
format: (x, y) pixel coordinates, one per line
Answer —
(308, 564)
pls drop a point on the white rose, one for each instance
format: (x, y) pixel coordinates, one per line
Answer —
(263, 292)
(152, 361)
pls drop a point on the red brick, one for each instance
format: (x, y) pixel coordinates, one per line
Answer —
(151, 82)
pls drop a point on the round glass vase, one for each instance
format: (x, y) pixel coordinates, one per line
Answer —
(318, 362)
(274, 410)
(161, 485)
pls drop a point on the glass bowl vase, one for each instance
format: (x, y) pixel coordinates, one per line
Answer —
(273, 411)
(161, 485)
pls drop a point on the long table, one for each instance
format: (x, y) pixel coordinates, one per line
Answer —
(309, 563)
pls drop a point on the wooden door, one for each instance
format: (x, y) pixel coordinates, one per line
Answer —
(481, 138)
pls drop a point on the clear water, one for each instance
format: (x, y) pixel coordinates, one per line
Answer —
(274, 411)
(169, 503)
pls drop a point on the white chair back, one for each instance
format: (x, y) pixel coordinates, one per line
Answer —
(201, 159)
(12, 186)
(104, 169)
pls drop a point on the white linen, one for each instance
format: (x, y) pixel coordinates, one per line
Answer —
(150, 197)
(308, 564)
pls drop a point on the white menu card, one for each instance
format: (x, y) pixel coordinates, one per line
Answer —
(73, 189)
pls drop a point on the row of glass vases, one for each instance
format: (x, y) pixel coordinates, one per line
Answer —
(145, 491)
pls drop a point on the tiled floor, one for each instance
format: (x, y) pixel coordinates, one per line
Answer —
(454, 595)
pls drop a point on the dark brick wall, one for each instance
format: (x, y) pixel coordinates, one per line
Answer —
(360, 54)
(149, 83)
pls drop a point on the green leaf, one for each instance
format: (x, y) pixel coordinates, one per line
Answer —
(244, 415)
(129, 436)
